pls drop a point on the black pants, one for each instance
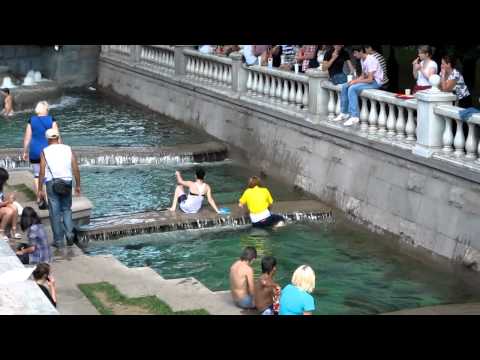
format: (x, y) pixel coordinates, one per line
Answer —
(270, 221)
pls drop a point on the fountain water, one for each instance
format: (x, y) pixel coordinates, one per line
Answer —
(7, 83)
(28, 81)
(37, 76)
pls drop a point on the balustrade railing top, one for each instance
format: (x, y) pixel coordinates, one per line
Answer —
(312, 97)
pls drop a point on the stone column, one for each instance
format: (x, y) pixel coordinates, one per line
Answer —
(239, 74)
(317, 95)
(180, 60)
(429, 125)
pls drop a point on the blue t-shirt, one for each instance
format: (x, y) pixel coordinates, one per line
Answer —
(294, 301)
(39, 125)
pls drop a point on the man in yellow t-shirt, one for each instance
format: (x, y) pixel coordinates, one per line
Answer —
(258, 200)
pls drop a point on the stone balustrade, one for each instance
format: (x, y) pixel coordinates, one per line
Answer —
(120, 53)
(423, 124)
(454, 141)
(382, 114)
(278, 87)
(209, 69)
(157, 58)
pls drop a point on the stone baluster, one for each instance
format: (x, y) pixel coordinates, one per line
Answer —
(339, 103)
(400, 126)
(472, 142)
(279, 91)
(229, 76)
(215, 73)
(331, 104)
(382, 119)
(210, 72)
(189, 67)
(391, 120)
(372, 118)
(260, 85)
(299, 96)
(459, 140)
(285, 92)
(273, 88)
(201, 69)
(305, 97)
(196, 68)
(447, 137)
(291, 94)
(249, 82)
(266, 88)
(226, 68)
(255, 83)
(364, 115)
(410, 128)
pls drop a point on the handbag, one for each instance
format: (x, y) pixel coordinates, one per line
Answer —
(60, 186)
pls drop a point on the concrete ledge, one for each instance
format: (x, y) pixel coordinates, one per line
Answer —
(11, 158)
(114, 227)
(26, 97)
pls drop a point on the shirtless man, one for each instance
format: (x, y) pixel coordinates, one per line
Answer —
(8, 107)
(265, 288)
(192, 202)
(241, 279)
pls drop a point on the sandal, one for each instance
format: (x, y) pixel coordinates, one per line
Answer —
(17, 236)
(5, 238)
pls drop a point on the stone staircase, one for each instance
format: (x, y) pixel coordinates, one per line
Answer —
(179, 294)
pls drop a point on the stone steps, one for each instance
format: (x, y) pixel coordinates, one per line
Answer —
(179, 294)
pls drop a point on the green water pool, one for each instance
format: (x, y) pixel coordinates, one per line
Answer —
(89, 118)
(117, 190)
(357, 272)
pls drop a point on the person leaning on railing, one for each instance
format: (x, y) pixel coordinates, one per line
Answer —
(423, 67)
(334, 61)
(451, 80)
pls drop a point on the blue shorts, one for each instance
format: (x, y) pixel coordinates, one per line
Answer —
(245, 303)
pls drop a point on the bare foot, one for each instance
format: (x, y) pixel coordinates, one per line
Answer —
(171, 209)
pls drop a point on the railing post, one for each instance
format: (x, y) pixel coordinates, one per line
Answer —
(135, 54)
(180, 60)
(430, 126)
(239, 73)
(317, 96)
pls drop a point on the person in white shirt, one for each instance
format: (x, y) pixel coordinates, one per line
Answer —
(250, 58)
(371, 78)
(423, 67)
(58, 162)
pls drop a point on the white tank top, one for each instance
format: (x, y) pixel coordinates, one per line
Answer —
(59, 159)
(193, 203)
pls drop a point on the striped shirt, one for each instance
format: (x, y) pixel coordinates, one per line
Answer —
(383, 64)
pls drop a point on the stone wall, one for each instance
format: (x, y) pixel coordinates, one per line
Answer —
(427, 203)
(72, 66)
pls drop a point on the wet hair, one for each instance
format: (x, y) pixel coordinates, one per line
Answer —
(450, 59)
(253, 181)
(304, 278)
(200, 173)
(29, 217)
(268, 263)
(426, 49)
(42, 270)
(6, 91)
(249, 254)
(359, 48)
(3, 177)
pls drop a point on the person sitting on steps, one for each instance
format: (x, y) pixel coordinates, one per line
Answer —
(192, 202)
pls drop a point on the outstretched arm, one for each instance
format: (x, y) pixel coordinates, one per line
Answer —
(210, 200)
(180, 180)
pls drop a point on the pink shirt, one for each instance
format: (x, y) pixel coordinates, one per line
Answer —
(371, 64)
